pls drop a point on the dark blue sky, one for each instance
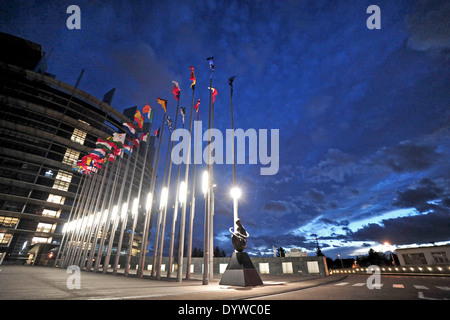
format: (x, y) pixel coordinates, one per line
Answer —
(363, 114)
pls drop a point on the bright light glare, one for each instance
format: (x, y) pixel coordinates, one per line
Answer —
(235, 193)
(114, 212)
(135, 207)
(182, 193)
(163, 201)
(205, 182)
(124, 211)
(149, 201)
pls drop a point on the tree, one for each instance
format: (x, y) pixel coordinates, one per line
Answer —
(281, 252)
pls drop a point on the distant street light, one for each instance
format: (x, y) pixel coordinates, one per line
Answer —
(387, 244)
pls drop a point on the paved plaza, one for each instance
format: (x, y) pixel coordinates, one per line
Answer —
(46, 283)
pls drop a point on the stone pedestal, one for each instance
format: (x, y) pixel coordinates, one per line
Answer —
(240, 272)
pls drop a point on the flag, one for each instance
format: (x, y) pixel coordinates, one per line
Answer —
(163, 103)
(130, 128)
(176, 91)
(144, 137)
(157, 133)
(211, 63)
(214, 93)
(139, 119)
(105, 145)
(111, 157)
(192, 78)
(114, 144)
(127, 149)
(183, 112)
(169, 123)
(148, 110)
(135, 141)
(119, 137)
(196, 107)
(230, 81)
(98, 153)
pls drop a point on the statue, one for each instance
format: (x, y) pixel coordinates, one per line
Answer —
(239, 237)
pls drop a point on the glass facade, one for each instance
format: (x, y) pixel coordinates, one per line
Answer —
(46, 126)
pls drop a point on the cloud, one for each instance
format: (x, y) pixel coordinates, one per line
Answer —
(429, 26)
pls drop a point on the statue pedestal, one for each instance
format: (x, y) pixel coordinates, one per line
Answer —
(240, 272)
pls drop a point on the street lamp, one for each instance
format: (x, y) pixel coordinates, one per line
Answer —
(123, 214)
(114, 213)
(205, 182)
(387, 244)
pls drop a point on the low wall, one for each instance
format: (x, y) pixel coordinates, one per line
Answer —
(264, 265)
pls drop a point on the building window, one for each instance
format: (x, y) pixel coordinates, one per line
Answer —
(71, 157)
(62, 180)
(40, 240)
(8, 222)
(54, 198)
(264, 268)
(287, 267)
(440, 257)
(46, 227)
(414, 258)
(78, 136)
(51, 213)
(5, 237)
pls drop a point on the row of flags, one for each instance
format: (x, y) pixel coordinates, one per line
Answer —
(113, 146)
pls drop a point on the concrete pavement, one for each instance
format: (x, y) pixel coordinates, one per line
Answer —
(46, 283)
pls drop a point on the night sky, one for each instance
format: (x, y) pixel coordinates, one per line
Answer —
(363, 115)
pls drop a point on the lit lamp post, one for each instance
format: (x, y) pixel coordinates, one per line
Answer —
(205, 187)
(390, 250)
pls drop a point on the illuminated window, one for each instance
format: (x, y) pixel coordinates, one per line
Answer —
(54, 198)
(62, 180)
(287, 267)
(45, 227)
(40, 240)
(51, 213)
(5, 237)
(8, 222)
(71, 157)
(78, 136)
(264, 267)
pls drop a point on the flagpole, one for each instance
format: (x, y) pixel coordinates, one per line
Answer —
(158, 222)
(163, 226)
(148, 209)
(68, 248)
(174, 220)
(211, 218)
(81, 214)
(235, 200)
(136, 214)
(183, 209)
(112, 217)
(77, 195)
(130, 246)
(192, 211)
(120, 206)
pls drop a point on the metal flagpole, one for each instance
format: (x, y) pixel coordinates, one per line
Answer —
(98, 217)
(88, 229)
(158, 223)
(118, 213)
(192, 213)
(77, 195)
(123, 212)
(130, 246)
(174, 220)
(211, 218)
(110, 216)
(235, 199)
(183, 209)
(163, 225)
(77, 243)
(148, 214)
(68, 248)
